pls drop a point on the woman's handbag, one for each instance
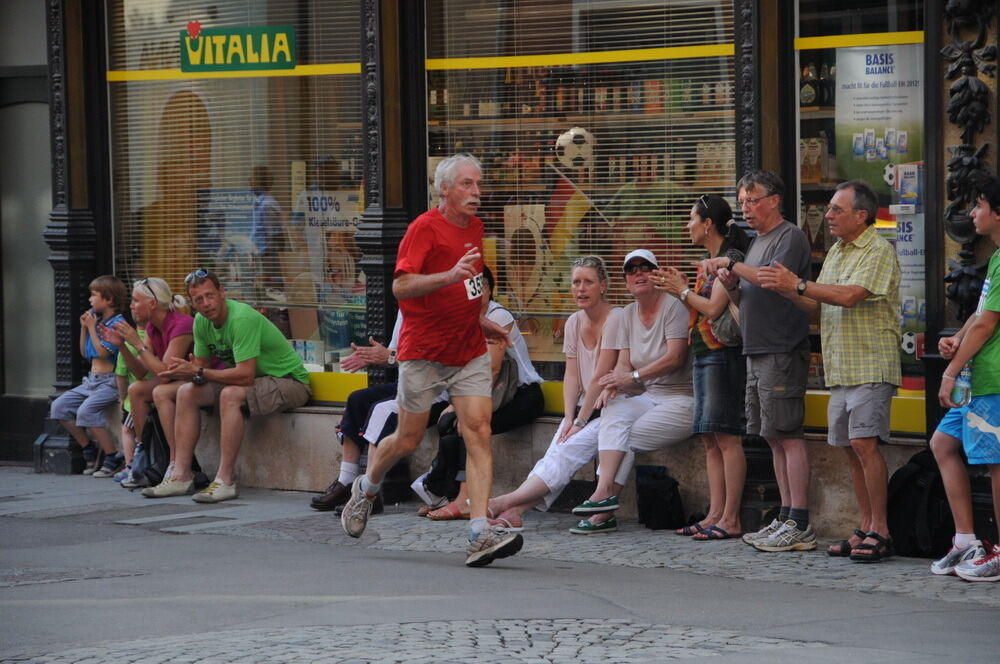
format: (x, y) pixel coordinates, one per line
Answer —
(726, 326)
(505, 385)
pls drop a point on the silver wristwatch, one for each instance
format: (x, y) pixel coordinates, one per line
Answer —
(635, 377)
(578, 423)
(391, 361)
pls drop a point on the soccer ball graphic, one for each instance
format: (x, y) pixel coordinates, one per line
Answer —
(909, 343)
(575, 148)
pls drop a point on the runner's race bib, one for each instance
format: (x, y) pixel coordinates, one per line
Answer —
(474, 286)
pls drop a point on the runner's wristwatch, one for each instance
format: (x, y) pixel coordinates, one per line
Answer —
(199, 377)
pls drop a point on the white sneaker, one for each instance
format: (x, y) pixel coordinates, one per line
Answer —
(216, 492)
(168, 488)
(955, 557)
(425, 494)
(986, 568)
(788, 538)
(763, 533)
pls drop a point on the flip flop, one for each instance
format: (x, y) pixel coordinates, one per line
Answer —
(714, 533)
(450, 512)
(688, 531)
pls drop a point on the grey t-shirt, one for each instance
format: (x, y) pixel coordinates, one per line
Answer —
(648, 344)
(769, 321)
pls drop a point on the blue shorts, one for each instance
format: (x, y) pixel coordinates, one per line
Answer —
(719, 388)
(85, 403)
(977, 426)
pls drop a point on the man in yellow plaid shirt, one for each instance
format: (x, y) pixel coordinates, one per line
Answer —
(857, 292)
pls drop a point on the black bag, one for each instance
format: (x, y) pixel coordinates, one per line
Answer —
(157, 454)
(919, 518)
(659, 498)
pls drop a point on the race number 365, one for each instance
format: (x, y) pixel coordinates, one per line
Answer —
(474, 286)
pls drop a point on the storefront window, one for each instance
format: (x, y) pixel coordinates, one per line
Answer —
(236, 147)
(860, 99)
(599, 125)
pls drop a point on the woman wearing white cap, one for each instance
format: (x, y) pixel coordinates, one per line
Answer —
(647, 394)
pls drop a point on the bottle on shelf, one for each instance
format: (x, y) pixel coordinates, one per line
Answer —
(807, 87)
(824, 85)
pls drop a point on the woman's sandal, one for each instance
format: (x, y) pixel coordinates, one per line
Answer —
(449, 512)
(688, 531)
(879, 551)
(844, 547)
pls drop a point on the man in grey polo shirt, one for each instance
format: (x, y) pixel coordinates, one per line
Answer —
(776, 343)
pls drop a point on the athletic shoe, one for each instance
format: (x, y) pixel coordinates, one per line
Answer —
(354, 517)
(96, 464)
(763, 533)
(986, 568)
(609, 504)
(585, 527)
(216, 492)
(788, 538)
(111, 465)
(491, 544)
(426, 495)
(134, 481)
(955, 556)
(168, 488)
(122, 474)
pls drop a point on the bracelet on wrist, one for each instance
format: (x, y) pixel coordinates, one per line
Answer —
(578, 423)
(943, 376)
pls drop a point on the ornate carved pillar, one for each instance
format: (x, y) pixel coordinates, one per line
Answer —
(394, 144)
(955, 71)
(79, 233)
(747, 61)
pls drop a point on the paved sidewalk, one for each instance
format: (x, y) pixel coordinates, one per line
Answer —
(285, 516)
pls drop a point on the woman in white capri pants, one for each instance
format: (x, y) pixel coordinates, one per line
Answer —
(652, 360)
(587, 337)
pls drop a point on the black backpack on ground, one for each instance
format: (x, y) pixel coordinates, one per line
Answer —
(155, 456)
(659, 498)
(919, 517)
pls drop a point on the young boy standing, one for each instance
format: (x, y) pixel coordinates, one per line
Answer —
(83, 406)
(976, 426)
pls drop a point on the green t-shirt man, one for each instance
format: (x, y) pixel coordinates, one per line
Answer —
(121, 369)
(246, 335)
(986, 363)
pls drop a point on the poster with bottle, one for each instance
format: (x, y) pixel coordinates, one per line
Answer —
(879, 111)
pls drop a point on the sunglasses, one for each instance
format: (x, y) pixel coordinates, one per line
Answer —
(200, 273)
(632, 268)
(145, 282)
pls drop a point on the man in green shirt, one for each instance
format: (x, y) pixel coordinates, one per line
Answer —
(263, 375)
(857, 293)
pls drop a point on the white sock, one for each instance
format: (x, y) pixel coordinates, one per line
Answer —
(348, 473)
(370, 487)
(476, 526)
(963, 540)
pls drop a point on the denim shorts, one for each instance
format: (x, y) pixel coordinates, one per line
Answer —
(719, 388)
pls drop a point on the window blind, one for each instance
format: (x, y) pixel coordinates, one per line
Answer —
(599, 124)
(254, 174)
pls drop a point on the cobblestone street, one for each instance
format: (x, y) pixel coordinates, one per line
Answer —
(284, 519)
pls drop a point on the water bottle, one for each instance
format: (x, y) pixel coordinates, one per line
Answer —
(961, 393)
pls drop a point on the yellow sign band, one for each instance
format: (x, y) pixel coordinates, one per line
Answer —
(589, 58)
(339, 68)
(868, 39)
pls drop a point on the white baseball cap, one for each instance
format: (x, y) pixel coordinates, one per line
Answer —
(644, 254)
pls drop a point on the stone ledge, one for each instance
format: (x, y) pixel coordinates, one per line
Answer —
(298, 451)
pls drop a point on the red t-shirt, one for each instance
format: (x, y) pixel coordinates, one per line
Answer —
(442, 326)
(174, 325)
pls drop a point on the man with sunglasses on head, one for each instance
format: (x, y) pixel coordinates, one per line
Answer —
(857, 294)
(776, 342)
(263, 375)
(438, 282)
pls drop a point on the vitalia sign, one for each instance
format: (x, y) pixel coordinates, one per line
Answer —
(237, 49)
